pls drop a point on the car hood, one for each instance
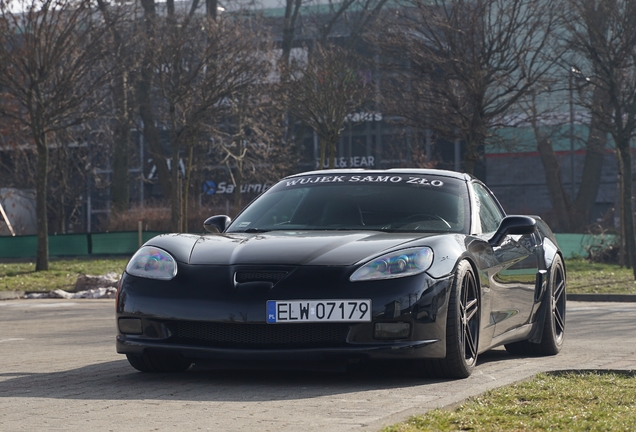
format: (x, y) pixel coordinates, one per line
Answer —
(284, 247)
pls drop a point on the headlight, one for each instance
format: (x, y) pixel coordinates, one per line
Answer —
(406, 262)
(153, 263)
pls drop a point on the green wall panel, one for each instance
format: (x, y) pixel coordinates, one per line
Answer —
(117, 243)
(18, 247)
(68, 245)
(577, 245)
(126, 243)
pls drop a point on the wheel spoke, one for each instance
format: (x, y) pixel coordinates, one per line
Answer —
(471, 310)
(469, 307)
(469, 343)
(465, 289)
(559, 321)
(558, 292)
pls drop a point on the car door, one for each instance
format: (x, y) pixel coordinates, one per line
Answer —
(512, 275)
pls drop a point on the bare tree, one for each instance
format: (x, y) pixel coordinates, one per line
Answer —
(344, 22)
(603, 34)
(461, 65)
(324, 90)
(250, 143)
(348, 20)
(196, 62)
(122, 51)
(67, 174)
(145, 94)
(292, 9)
(48, 53)
(571, 209)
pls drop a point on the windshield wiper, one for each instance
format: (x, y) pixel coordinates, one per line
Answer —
(255, 230)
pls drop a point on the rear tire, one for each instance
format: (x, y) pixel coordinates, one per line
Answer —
(554, 324)
(157, 363)
(462, 327)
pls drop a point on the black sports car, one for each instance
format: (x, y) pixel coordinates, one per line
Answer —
(351, 265)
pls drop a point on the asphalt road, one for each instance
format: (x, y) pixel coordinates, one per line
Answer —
(59, 371)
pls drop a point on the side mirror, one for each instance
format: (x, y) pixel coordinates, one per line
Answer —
(511, 225)
(217, 224)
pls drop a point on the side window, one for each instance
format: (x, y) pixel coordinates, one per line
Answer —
(489, 213)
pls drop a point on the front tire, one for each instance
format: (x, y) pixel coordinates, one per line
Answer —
(157, 363)
(554, 327)
(462, 327)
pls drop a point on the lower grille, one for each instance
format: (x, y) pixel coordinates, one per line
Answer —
(261, 335)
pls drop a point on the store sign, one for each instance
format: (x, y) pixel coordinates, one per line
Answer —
(352, 162)
(211, 188)
(364, 116)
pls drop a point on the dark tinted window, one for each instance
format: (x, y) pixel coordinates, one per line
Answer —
(360, 201)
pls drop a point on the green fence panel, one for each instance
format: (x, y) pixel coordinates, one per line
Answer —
(18, 246)
(126, 243)
(62, 245)
(118, 243)
(68, 245)
(578, 245)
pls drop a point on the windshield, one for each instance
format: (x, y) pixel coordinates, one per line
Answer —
(398, 202)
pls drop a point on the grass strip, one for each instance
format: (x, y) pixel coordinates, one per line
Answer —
(62, 274)
(583, 277)
(573, 401)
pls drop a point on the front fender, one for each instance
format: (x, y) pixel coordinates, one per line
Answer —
(447, 252)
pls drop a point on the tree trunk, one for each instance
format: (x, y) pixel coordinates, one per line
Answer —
(471, 153)
(573, 214)
(323, 151)
(120, 186)
(592, 167)
(211, 7)
(238, 180)
(146, 112)
(186, 186)
(558, 197)
(119, 189)
(625, 161)
(175, 192)
(332, 143)
(42, 260)
(289, 28)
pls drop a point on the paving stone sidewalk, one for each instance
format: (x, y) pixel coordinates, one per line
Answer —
(59, 371)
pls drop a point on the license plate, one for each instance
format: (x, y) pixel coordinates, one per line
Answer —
(294, 311)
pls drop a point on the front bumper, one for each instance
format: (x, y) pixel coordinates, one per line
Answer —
(200, 317)
(395, 350)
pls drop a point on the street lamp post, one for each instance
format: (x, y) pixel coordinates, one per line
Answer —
(575, 74)
(570, 85)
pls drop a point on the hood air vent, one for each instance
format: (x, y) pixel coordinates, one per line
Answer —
(272, 277)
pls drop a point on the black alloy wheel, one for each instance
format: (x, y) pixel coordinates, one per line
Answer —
(462, 328)
(554, 329)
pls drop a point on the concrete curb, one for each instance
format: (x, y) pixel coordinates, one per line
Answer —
(11, 295)
(619, 298)
(603, 297)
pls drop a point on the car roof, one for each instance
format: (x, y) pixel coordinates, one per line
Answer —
(418, 171)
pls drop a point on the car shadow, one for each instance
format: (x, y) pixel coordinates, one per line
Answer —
(118, 381)
(494, 355)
